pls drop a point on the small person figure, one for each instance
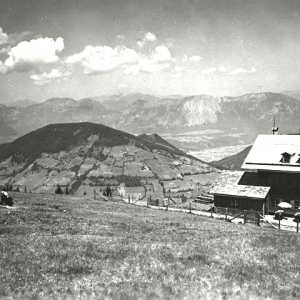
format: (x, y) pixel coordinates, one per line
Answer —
(5, 199)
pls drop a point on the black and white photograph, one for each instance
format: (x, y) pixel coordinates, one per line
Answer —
(149, 149)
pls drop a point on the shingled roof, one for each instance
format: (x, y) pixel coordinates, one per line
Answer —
(274, 153)
(228, 184)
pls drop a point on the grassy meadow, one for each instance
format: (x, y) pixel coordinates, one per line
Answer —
(54, 247)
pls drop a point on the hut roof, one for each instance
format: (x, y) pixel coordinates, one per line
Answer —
(228, 184)
(268, 151)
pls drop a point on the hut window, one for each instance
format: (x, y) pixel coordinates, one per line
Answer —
(234, 203)
(286, 157)
(274, 202)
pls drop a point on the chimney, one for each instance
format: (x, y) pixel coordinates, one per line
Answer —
(274, 128)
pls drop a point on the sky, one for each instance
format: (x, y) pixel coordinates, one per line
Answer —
(90, 48)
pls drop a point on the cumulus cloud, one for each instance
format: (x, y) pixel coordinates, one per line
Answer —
(131, 69)
(222, 69)
(161, 53)
(157, 61)
(2, 68)
(13, 38)
(148, 37)
(243, 71)
(120, 38)
(3, 37)
(209, 70)
(5, 50)
(179, 69)
(177, 72)
(32, 55)
(195, 58)
(150, 66)
(48, 77)
(101, 59)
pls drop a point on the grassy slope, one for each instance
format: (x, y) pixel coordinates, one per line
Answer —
(54, 248)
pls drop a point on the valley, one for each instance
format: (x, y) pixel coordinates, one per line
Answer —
(215, 154)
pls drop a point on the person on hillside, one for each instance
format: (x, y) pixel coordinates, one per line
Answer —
(6, 199)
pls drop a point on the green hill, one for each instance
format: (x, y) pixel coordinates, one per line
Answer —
(83, 157)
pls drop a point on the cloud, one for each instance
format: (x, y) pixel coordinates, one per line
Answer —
(177, 72)
(148, 37)
(32, 55)
(179, 69)
(209, 70)
(48, 77)
(2, 68)
(102, 59)
(131, 69)
(195, 58)
(13, 38)
(242, 71)
(5, 50)
(3, 37)
(140, 44)
(120, 38)
(176, 75)
(157, 61)
(122, 86)
(222, 69)
(151, 66)
(161, 53)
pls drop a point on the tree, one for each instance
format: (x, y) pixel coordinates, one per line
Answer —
(58, 190)
(67, 191)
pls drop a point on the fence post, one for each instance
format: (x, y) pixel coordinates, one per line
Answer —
(258, 219)
(147, 202)
(245, 217)
(297, 225)
(94, 194)
(226, 213)
(211, 211)
(279, 221)
(190, 208)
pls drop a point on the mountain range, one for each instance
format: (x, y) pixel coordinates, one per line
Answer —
(83, 157)
(243, 117)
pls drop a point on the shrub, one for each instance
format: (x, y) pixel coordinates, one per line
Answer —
(58, 190)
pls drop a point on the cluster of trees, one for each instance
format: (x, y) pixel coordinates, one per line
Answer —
(60, 191)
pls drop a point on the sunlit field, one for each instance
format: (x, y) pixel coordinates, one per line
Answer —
(54, 247)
